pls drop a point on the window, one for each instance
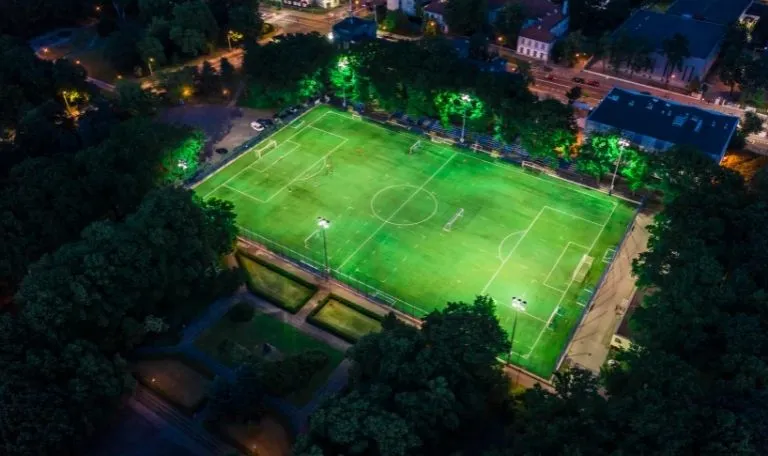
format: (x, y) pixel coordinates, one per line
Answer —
(520, 50)
(537, 54)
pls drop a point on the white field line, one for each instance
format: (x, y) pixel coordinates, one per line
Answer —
(259, 200)
(255, 146)
(572, 215)
(514, 248)
(501, 244)
(296, 124)
(312, 126)
(279, 159)
(413, 195)
(562, 254)
(570, 284)
(298, 176)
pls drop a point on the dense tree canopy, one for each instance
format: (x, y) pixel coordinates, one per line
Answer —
(416, 391)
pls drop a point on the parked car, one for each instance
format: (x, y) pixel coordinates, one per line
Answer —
(222, 150)
(593, 83)
(266, 122)
(578, 80)
(257, 126)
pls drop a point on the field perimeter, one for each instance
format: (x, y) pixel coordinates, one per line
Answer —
(514, 234)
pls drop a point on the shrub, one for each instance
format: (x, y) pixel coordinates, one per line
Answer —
(241, 312)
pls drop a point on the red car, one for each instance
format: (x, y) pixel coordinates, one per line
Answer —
(593, 83)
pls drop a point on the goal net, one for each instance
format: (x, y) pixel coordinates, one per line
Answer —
(448, 226)
(535, 167)
(416, 146)
(582, 269)
(260, 151)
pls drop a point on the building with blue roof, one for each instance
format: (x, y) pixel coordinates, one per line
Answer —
(656, 125)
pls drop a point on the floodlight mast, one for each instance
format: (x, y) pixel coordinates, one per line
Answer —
(623, 143)
(324, 224)
(465, 98)
(518, 305)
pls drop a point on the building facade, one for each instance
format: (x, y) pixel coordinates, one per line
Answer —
(546, 24)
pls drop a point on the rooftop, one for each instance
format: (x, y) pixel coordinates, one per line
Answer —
(703, 37)
(721, 12)
(354, 29)
(677, 123)
(437, 7)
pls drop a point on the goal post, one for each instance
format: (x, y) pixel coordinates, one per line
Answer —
(448, 226)
(260, 151)
(580, 273)
(416, 146)
(439, 140)
(535, 167)
(356, 116)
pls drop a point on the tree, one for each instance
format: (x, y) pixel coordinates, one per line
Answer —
(598, 155)
(676, 51)
(227, 72)
(573, 94)
(465, 17)
(246, 20)
(241, 400)
(751, 124)
(135, 101)
(208, 82)
(550, 129)
(732, 67)
(416, 391)
(193, 27)
(152, 51)
(179, 84)
(121, 48)
(509, 21)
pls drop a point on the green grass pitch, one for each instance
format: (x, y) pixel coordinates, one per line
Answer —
(519, 234)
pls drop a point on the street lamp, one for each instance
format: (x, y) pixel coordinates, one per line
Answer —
(623, 143)
(149, 64)
(465, 98)
(343, 65)
(518, 305)
(233, 36)
(324, 224)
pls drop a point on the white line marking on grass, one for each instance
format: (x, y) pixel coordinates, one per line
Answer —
(247, 152)
(570, 284)
(559, 290)
(501, 244)
(572, 215)
(562, 254)
(312, 126)
(243, 193)
(413, 195)
(506, 259)
(298, 176)
(279, 159)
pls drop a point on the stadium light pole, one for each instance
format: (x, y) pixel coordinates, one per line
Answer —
(324, 224)
(149, 64)
(518, 305)
(623, 143)
(465, 98)
(343, 64)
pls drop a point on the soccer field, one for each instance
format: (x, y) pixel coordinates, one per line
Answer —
(421, 226)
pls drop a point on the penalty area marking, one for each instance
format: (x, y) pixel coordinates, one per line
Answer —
(501, 244)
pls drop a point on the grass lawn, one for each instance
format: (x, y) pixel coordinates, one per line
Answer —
(420, 229)
(276, 287)
(347, 321)
(252, 335)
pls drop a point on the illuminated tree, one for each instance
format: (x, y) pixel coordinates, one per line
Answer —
(183, 161)
(344, 77)
(455, 105)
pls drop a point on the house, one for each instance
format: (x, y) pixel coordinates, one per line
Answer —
(310, 3)
(409, 7)
(545, 23)
(353, 30)
(655, 125)
(702, 22)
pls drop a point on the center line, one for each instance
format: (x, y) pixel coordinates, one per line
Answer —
(413, 195)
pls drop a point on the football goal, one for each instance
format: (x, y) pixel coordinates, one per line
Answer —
(260, 151)
(357, 116)
(448, 226)
(582, 269)
(415, 147)
(535, 167)
(440, 140)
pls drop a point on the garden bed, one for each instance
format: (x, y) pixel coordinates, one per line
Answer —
(345, 319)
(275, 285)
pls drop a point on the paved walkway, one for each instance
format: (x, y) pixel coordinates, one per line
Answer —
(591, 342)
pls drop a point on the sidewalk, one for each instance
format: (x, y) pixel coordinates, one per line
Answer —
(591, 342)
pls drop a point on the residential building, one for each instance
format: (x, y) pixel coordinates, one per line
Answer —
(309, 3)
(545, 23)
(702, 22)
(655, 125)
(353, 29)
(409, 7)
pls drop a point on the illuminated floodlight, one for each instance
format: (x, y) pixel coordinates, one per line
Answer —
(519, 304)
(330, 36)
(623, 142)
(323, 223)
(182, 164)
